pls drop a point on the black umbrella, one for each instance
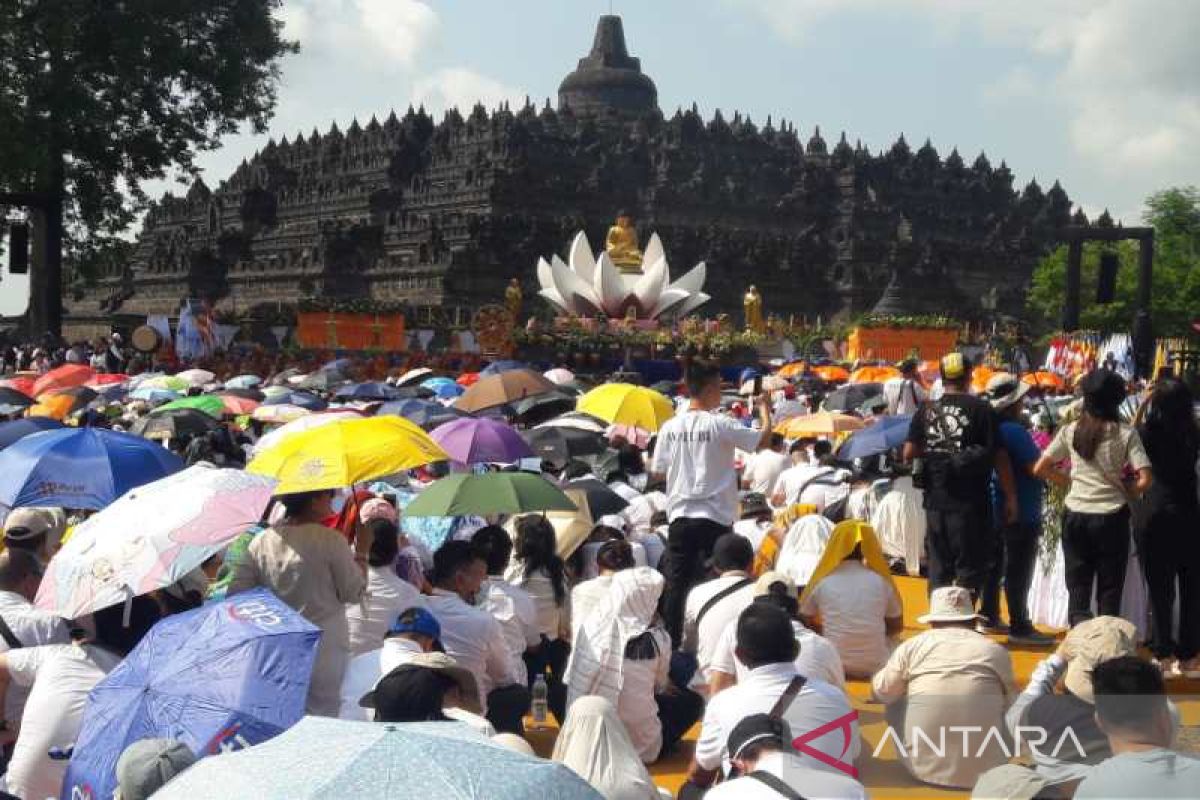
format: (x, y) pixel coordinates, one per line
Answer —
(245, 394)
(560, 445)
(13, 398)
(542, 407)
(602, 500)
(425, 413)
(174, 423)
(851, 396)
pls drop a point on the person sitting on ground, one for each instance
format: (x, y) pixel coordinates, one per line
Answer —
(852, 600)
(38, 531)
(473, 637)
(512, 606)
(22, 624)
(1041, 708)
(756, 519)
(763, 469)
(59, 678)
(621, 654)
(147, 765)
(821, 483)
(613, 556)
(422, 690)
(387, 594)
(947, 677)
(760, 749)
(818, 658)
(713, 605)
(767, 647)
(596, 746)
(803, 544)
(1133, 712)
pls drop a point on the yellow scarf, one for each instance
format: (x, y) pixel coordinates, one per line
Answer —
(841, 543)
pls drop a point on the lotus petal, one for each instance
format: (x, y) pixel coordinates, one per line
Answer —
(553, 296)
(693, 281)
(692, 303)
(668, 299)
(581, 258)
(545, 275)
(609, 287)
(650, 286)
(571, 288)
(653, 252)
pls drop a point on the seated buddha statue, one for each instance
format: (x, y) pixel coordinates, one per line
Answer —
(621, 244)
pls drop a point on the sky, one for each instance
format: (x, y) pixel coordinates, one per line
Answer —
(1103, 95)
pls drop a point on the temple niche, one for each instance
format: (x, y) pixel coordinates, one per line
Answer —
(441, 213)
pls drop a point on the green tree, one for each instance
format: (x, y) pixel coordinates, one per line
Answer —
(98, 97)
(1175, 300)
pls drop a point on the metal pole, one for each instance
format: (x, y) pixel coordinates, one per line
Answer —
(1070, 320)
(1143, 327)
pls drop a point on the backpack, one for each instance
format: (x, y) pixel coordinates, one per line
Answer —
(972, 462)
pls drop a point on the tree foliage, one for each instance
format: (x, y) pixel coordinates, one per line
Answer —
(1175, 298)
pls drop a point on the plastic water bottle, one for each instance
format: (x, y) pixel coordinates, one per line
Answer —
(539, 707)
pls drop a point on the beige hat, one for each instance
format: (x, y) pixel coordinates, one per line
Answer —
(949, 604)
(1004, 389)
(468, 689)
(1008, 782)
(26, 523)
(1091, 642)
(762, 586)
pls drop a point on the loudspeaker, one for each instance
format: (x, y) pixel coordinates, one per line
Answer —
(18, 248)
(1106, 282)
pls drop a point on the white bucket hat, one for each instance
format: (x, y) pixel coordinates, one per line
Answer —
(949, 604)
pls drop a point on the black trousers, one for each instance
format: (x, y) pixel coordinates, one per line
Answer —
(1169, 550)
(550, 659)
(960, 548)
(507, 705)
(689, 545)
(1096, 555)
(677, 712)
(1015, 555)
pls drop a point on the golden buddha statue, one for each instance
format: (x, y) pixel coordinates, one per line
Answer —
(621, 244)
(513, 297)
(753, 307)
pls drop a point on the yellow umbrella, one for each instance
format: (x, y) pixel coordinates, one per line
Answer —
(820, 424)
(344, 453)
(626, 404)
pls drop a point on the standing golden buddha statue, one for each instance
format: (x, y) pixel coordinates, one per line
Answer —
(753, 306)
(621, 244)
(513, 297)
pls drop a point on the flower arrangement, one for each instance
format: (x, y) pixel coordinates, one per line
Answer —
(357, 305)
(926, 321)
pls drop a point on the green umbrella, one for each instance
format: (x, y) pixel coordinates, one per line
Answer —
(213, 406)
(490, 493)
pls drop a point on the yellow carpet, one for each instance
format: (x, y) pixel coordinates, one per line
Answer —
(884, 777)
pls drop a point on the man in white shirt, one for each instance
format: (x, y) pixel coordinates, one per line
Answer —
(765, 466)
(817, 483)
(473, 637)
(715, 604)
(413, 631)
(904, 394)
(511, 605)
(824, 725)
(696, 451)
(21, 623)
(387, 593)
(760, 748)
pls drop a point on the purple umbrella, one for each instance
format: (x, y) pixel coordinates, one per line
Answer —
(473, 441)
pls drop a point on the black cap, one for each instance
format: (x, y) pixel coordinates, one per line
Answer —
(759, 729)
(731, 551)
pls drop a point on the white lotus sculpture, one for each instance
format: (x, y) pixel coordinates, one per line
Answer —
(591, 286)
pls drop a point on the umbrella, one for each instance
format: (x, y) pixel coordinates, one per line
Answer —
(882, 435)
(443, 388)
(236, 405)
(475, 441)
(283, 412)
(638, 437)
(67, 376)
(176, 424)
(626, 404)
(770, 383)
(980, 377)
(561, 444)
(322, 758)
(302, 423)
(832, 373)
(559, 375)
(578, 420)
(14, 431)
(424, 413)
(793, 369)
(873, 374)
(365, 391)
(62, 404)
(172, 382)
(337, 365)
(1044, 380)
(207, 403)
(490, 493)
(496, 390)
(503, 365)
(413, 376)
(819, 424)
(542, 407)
(79, 467)
(468, 379)
(151, 537)
(602, 500)
(244, 393)
(230, 674)
(294, 398)
(106, 379)
(22, 384)
(196, 377)
(13, 401)
(153, 394)
(322, 379)
(851, 396)
(243, 382)
(346, 452)
(788, 409)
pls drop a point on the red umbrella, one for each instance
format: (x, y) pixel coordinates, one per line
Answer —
(468, 379)
(238, 405)
(67, 376)
(107, 379)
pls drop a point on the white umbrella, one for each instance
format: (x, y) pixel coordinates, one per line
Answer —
(304, 423)
(196, 377)
(559, 375)
(413, 376)
(579, 420)
(151, 537)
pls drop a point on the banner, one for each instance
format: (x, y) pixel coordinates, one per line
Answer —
(335, 331)
(897, 344)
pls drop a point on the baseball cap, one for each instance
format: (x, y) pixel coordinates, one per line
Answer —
(762, 586)
(1090, 642)
(148, 764)
(23, 524)
(378, 508)
(416, 620)
(758, 729)
(955, 366)
(390, 685)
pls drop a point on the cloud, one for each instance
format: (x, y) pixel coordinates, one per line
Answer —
(462, 88)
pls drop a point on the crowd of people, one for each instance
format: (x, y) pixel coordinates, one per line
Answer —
(746, 578)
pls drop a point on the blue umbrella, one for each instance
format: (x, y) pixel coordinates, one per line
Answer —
(292, 397)
(366, 391)
(443, 387)
(503, 365)
(153, 395)
(80, 467)
(882, 435)
(13, 432)
(337, 365)
(425, 413)
(222, 677)
(321, 757)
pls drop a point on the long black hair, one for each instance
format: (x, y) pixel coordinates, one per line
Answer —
(1170, 420)
(1103, 392)
(537, 548)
